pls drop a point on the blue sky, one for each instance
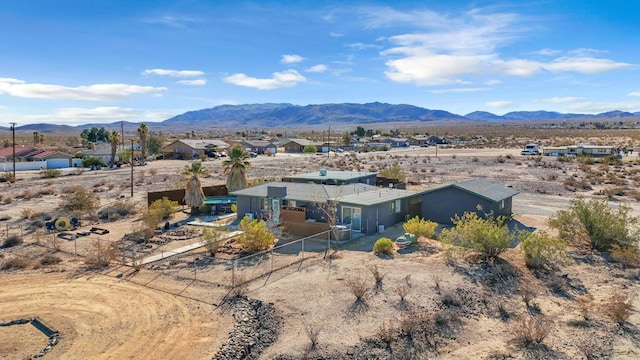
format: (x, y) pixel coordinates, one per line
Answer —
(75, 61)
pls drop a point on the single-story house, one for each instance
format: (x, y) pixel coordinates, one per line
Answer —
(333, 177)
(579, 150)
(306, 208)
(101, 152)
(193, 148)
(298, 145)
(259, 146)
(396, 142)
(478, 195)
(436, 140)
(55, 159)
(48, 158)
(418, 140)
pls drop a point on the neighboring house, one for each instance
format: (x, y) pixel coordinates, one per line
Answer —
(396, 142)
(51, 159)
(186, 148)
(298, 145)
(477, 195)
(418, 140)
(436, 140)
(302, 208)
(6, 154)
(259, 146)
(579, 150)
(55, 159)
(331, 177)
(101, 152)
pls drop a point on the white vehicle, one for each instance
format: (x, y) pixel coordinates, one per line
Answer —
(530, 149)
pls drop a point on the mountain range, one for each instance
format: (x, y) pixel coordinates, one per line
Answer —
(283, 115)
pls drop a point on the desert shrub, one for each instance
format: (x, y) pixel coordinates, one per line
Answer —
(402, 291)
(165, 207)
(92, 161)
(541, 249)
(78, 198)
(420, 227)
(239, 286)
(528, 294)
(393, 172)
(256, 236)
(610, 160)
(28, 194)
(450, 299)
(28, 213)
(313, 332)
(16, 263)
(7, 177)
(377, 275)
(211, 241)
(489, 237)
(594, 223)
(11, 241)
(149, 222)
(383, 246)
(586, 160)
(619, 308)
(627, 255)
(50, 173)
(584, 305)
(310, 149)
(49, 259)
(500, 159)
(562, 158)
(529, 331)
(121, 208)
(358, 287)
(101, 254)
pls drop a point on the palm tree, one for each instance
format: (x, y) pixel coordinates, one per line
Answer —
(193, 194)
(38, 138)
(114, 138)
(143, 131)
(235, 166)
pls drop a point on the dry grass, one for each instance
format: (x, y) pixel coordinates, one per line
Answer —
(529, 331)
(619, 308)
(358, 288)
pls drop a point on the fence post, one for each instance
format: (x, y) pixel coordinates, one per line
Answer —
(271, 261)
(75, 246)
(302, 248)
(233, 274)
(195, 268)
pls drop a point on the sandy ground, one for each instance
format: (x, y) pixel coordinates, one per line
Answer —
(139, 316)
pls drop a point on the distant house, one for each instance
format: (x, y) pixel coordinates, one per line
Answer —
(50, 159)
(259, 146)
(298, 145)
(579, 150)
(101, 151)
(22, 152)
(55, 159)
(436, 140)
(418, 140)
(301, 207)
(396, 142)
(188, 149)
(477, 195)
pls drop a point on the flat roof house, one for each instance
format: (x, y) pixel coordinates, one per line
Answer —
(479, 195)
(192, 148)
(298, 145)
(333, 177)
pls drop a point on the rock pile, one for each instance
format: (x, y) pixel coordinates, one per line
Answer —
(256, 326)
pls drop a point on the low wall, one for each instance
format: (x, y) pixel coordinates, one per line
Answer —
(23, 165)
(178, 194)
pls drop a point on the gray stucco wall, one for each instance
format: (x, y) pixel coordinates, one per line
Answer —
(381, 214)
(443, 204)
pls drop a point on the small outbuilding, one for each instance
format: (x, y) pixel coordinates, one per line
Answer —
(477, 195)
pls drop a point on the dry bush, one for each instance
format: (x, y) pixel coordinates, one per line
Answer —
(584, 305)
(528, 293)
(402, 291)
(313, 332)
(16, 263)
(11, 241)
(377, 275)
(78, 198)
(619, 308)
(437, 279)
(529, 331)
(28, 194)
(387, 334)
(503, 312)
(358, 287)
(120, 208)
(239, 286)
(28, 213)
(625, 255)
(49, 259)
(101, 254)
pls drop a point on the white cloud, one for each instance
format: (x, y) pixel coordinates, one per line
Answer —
(196, 82)
(103, 114)
(362, 46)
(500, 104)
(518, 67)
(547, 52)
(585, 65)
(600, 107)
(559, 100)
(320, 68)
(173, 73)
(95, 92)
(334, 34)
(291, 59)
(287, 78)
(171, 20)
(493, 82)
(458, 90)
(635, 93)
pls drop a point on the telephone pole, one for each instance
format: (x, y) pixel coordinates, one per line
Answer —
(13, 131)
(131, 167)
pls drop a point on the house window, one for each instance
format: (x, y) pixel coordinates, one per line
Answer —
(501, 205)
(292, 203)
(398, 206)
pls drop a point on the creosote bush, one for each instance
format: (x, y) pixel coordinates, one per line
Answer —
(256, 236)
(78, 198)
(619, 308)
(211, 241)
(489, 237)
(383, 246)
(101, 254)
(420, 227)
(165, 206)
(541, 249)
(117, 210)
(625, 255)
(11, 241)
(529, 331)
(595, 224)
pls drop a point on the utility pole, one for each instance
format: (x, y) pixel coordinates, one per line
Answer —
(13, 131)
(329, 141)
(131, 167)
(122, 136)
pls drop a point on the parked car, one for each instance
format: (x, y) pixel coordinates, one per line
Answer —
(526, 152)
(252, 154)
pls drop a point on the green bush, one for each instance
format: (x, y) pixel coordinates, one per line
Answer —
(541, 249)
(595, 224)
(92, 161)
(164, 206)
(310, 149)
(256, 236)
(117, 210)
(393, 172)
(383, 246)
(78, 198)
(489, 237)
(420, 227)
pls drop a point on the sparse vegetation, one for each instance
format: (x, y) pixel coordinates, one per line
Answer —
(530, 331)
(541, 249)
(256, 236)
(11, 241)
(383, 246)
(78, 198)
(420, 227)
(101, 254)
(619, 308)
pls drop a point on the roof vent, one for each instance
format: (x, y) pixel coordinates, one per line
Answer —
(323, 172)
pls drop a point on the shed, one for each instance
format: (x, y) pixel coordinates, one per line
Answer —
(481, 196)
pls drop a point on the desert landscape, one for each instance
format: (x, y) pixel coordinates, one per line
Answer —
(426, 304)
